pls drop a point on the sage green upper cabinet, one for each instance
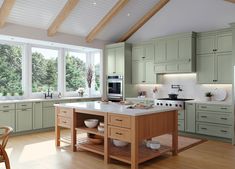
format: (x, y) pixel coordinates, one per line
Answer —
(214, 57)
(116, 55)
(143, 63)
(37, 115)
(175, 53)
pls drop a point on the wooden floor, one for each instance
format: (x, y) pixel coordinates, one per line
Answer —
(37, 151)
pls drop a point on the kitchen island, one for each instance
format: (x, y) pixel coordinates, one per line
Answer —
(122, 123)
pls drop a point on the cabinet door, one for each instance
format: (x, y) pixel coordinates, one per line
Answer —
(160, 51)
(206, 68)
(48, 117)
(224, 42)
(7, 118)
(138, 53)
(150, 76)
(37, 115)
(171, 67)
(119, 61)
(24, 120)
(205, 44)
(224, 67)
(185, 49)
(190, 117)
(172, 49)
(137, 72)
(111, 61)
(149, 52)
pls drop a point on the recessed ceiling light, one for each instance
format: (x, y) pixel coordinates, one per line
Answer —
(94, 3)
(128, 14)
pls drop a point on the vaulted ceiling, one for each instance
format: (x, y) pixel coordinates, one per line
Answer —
(177, 16)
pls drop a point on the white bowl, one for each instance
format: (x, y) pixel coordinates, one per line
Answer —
(154, 145)
(91, 123)
(119, 143)
(100, 128)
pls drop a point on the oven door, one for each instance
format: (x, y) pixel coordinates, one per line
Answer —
(114, 88)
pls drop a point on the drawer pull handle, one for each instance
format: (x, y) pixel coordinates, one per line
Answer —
(223, 131)
(118, 133)
(64, 122)
(118, 119)
(64, 112)
(203, 116)
(5, 106)
(5, 111)
(223, 118)
(223, 108)
(203, 106)
(178, 125)
(23, 105)
(203, 128)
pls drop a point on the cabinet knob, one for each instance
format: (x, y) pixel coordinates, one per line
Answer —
(143, 81)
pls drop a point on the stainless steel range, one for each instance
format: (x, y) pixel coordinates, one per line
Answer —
(167, 102)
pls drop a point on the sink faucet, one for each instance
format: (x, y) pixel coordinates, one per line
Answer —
(48, 94)
(177, 87)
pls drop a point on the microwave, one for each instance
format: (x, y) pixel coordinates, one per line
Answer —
(115, 87)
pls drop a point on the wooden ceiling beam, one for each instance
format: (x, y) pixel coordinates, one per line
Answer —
(106, 19)
(143, 20)
(5, 11)
(64, 13)
(232, 1)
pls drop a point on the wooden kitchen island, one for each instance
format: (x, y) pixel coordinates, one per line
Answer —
(130, 125)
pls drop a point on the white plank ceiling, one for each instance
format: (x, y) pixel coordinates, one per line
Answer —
(177, 16)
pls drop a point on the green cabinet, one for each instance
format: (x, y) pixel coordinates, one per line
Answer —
(48, 114)
(24, 120)
(175, 53)
(190, 117)
(214, 57)
(143, 64)
(7, 118)
(37, 115)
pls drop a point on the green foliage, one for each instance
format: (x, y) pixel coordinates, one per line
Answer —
(10, 68)
(75, 73)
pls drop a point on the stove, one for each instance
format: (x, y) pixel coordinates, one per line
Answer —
(179, 103)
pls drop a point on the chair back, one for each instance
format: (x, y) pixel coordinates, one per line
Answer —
(4, 135)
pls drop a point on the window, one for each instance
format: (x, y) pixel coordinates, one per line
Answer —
(44, 69)
(11, 69)
(97, 67)
(75, 71)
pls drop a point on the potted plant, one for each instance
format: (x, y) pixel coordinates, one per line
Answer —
(21, 93)
(208, 96)
(80, 92)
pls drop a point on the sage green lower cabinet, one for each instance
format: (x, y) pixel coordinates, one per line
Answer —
(181, 117)
(190, 117)
(48, 117)
(214, 120)
(7, 118)
(24, 120)
(37, 115)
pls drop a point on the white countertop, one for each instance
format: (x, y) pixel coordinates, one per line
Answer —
(114, 108)
(41, 99)
(210, 102)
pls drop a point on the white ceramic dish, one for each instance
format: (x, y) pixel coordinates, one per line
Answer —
(119, 143)
(219, 94)
(91, 123)
(102, 124)
(154, 145)
(100, 128)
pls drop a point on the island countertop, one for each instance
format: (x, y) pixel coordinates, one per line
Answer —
(115, 108)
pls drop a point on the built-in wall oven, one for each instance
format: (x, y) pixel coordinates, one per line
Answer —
(115, 87)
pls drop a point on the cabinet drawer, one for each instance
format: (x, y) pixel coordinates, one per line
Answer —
(65, 112)
(48, 104)
(181, 114)
(119, 133)
(119, 120)
(214, 130)
(64, 122)
(7, 106)
(181, 125)
(219, 108)
(24, 105)
(213, 117)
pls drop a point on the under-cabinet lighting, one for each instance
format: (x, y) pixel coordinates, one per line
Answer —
(181, 75)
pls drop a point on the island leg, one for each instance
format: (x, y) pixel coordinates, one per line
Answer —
(134, 144)
(57, 128)
(175, 134)
(73, 131)
(106, 140)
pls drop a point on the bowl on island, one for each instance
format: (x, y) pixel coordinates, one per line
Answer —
(119, 143)
(91, 123)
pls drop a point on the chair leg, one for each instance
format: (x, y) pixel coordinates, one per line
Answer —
(6, 159)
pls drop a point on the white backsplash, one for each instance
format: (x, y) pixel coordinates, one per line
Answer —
(189, 85)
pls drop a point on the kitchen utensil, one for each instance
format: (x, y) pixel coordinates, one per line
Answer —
(91, 123)
(173, 96)
(219, 94)
(119, 143)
